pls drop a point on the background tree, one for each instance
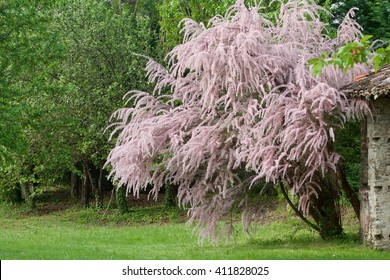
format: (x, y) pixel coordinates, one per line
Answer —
(29, 54)
(100, 66)
(372, 15)
(65, 65)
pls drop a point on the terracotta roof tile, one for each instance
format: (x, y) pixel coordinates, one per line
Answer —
(371, 86)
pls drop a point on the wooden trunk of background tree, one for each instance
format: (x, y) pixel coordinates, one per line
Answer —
(326, 207)
(170, 195)
(75, 191)
(99, 191)
(85, 188)
(27, 194)
(121, 200)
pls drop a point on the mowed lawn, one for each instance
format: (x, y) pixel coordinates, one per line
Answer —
(157, 233)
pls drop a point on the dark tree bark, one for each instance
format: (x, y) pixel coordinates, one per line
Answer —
(95, 177)
(75, 186)
(92, 184)
(121, 200)
(100, 187)
(325, 209)
(27, 190)
(85, 188)
(170, 195)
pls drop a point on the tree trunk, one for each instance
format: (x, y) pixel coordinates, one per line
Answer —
(27, 191)
(100, 187)
(85, 188)
(325, 209)
(170, 195)
(75, 186)
(117, 5)
(296, 210)
(121, 200)
(93, 186)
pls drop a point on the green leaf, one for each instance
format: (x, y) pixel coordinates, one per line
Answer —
(377, 62)
(314, 61)
(317, 69)
(366, 39)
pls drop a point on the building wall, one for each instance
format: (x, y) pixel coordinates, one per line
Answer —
(378, 132)
(364, 189)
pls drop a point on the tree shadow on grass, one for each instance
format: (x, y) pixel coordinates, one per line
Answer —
(307, 246)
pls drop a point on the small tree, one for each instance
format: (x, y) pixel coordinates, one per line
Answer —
(244, 108)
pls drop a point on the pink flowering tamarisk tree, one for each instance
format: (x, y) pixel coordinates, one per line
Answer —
(238, 105)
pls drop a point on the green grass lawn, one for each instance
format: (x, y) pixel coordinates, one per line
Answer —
(152, 232)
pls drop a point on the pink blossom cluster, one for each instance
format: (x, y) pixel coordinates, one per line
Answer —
(238, 95)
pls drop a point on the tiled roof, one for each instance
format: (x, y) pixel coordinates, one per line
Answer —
(372, 86)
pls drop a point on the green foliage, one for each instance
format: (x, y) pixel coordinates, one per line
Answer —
(348, 146)
(10, 191)
(351, 53)
(345, 58)
(382, 57)
(27, 48)
(29, 55)
(372, 15)
(100, 67)
(64, 67)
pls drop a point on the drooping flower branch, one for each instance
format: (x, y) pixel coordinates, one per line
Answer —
(242, 100)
